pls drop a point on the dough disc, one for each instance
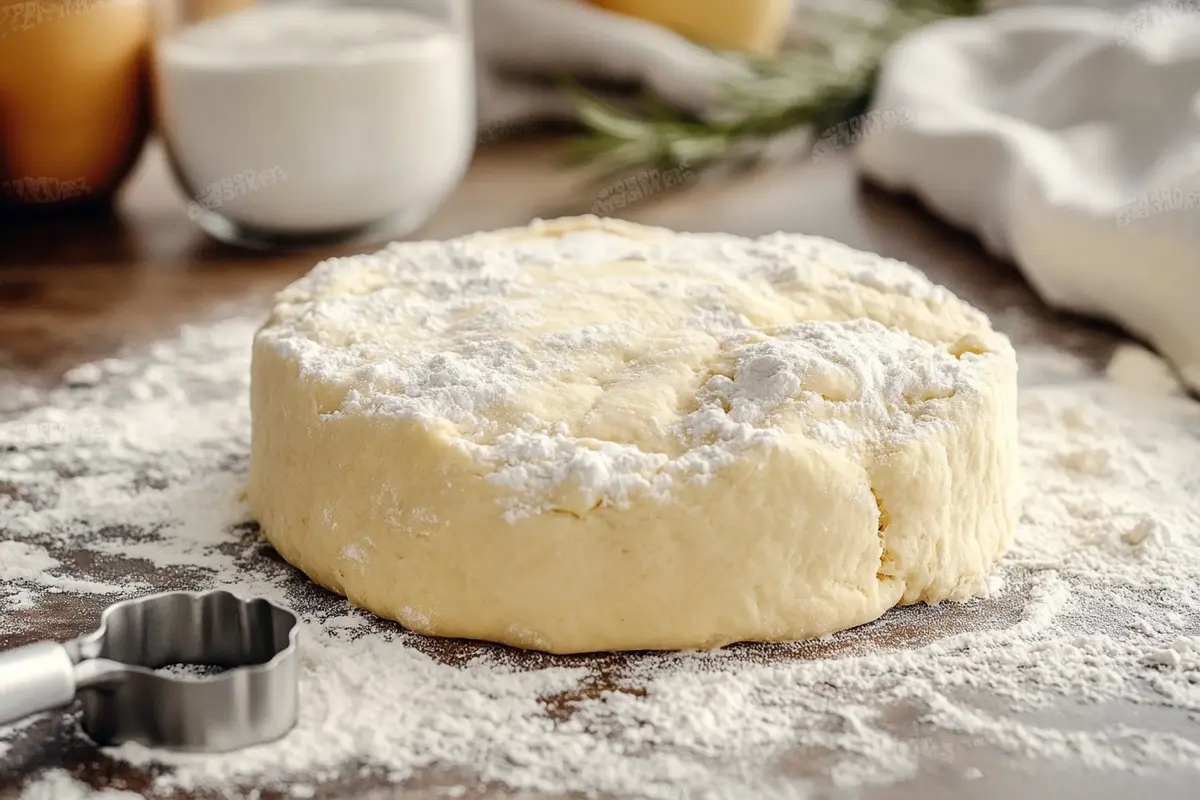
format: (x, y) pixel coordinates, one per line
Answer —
(591, 435)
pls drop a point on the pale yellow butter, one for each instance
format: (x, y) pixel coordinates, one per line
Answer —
(751, 26)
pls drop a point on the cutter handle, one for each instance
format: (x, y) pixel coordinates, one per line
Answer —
(37, 677)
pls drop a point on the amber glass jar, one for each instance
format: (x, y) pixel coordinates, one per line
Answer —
(73, 98)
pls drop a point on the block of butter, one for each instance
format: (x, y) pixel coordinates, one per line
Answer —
(751, 26)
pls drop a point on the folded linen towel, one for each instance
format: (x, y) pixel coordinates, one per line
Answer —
(1068, 140)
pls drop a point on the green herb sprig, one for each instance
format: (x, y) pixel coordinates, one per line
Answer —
(826, 80)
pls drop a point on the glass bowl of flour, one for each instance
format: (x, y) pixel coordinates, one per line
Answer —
(291, 122)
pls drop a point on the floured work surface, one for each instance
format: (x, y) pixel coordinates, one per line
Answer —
(1081, 669)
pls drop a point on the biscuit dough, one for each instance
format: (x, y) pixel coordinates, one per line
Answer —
(592, 435)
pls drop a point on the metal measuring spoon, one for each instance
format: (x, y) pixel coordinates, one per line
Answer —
(112, 671)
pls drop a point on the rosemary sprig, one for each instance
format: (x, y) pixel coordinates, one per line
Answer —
(826, 81)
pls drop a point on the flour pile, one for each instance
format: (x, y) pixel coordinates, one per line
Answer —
(134, 467)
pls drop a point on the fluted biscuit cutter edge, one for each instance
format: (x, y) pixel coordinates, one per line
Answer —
(112, 670)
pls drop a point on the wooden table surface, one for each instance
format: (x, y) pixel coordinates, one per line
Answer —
(78, 290)
(75, 290)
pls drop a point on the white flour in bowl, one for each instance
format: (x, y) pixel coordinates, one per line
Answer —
(142, 459)
(302, 118)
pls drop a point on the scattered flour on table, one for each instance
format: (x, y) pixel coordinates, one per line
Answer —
(57, 784)
(142, 458)
(23, 564)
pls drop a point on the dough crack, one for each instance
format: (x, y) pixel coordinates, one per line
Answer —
(887, 561)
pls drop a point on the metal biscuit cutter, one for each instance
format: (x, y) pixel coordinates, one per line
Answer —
(124, 700)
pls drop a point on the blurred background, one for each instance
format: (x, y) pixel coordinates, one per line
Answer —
(160, 158)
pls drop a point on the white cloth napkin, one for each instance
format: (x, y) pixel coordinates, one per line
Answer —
(1068, 140)
(521, 45)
